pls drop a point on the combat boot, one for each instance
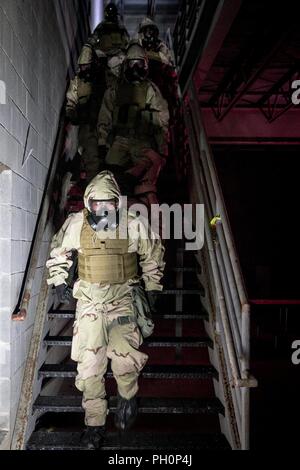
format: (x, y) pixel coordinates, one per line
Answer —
(126, 413)
(93, 437)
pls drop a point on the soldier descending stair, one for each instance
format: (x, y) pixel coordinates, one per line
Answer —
(110, 300)
(148, 35)
(161, 65)
(99, 67)
(133, 122)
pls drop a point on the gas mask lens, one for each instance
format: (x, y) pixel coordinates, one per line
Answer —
(150, 33)
(136, 70)
(139, 63)
(102, 208)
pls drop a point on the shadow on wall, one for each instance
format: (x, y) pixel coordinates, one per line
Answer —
(71, 37)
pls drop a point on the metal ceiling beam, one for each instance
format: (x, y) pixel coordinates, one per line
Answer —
(273, 27)
(243, 74)
(216, 39)
(197, 37)
(278, 99)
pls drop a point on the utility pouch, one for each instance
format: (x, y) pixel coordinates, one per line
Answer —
(142, 311)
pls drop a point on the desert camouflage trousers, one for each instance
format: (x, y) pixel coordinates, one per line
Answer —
(102, 332)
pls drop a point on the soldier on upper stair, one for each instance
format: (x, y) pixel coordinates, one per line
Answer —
(161, 65)
(99, 67)
(133, 128)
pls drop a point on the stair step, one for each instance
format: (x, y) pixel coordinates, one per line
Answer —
(57, 314)
(131, 441)
(60, 314)
(182, 292)
(154, 342)
(184, 270)
(149, 371)
(65, 404)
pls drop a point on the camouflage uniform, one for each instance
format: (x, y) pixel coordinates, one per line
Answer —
(133, 124)
(164, 53)
(162, 70)
(99, 68)
(100, 330)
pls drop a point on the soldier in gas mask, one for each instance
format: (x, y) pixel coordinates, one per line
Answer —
(111, 243)
(133, 128)
(99, 67)
(148, 35)
(162, 70)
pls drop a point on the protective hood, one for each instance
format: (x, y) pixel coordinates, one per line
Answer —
(135, 51)
(147, 22)
(103, 186)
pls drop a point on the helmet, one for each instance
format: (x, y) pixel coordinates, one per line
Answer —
(136, 63)
(111, 13)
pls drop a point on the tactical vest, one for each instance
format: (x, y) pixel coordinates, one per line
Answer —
(128, 118)
(104, 260)
(111, 36)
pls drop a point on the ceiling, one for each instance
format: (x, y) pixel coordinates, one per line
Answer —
(257, 63)
(164, 12)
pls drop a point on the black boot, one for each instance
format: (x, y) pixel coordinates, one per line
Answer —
(93, 437)
(126, 413)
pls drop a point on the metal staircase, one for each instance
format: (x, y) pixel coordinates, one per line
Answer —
(178, 368)
(194, 390)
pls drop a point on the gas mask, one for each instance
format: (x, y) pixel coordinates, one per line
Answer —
(111, 13)
(103, 214)
(136, 70)
(150, 38)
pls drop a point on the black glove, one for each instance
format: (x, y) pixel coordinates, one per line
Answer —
(152, 296)
(64, 293)
(72, 116)
(86, 72)
(102, 152)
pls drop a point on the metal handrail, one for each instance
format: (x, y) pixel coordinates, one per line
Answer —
(27, 391)
(20, 311)
(227, 279)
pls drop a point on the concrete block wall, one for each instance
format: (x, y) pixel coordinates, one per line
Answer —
(39, 45)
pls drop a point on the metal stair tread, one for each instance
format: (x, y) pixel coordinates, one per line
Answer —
(167, 316)
(152, 405)
(182, 292)
(130, 441)
(149, 371)
(156, 341)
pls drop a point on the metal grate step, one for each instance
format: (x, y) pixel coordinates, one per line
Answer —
(61, 314)
(130, 441)
(149, 371)
(65, 404)
(182, 292)
(154, 342)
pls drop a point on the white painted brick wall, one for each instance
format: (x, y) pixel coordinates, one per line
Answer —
(34, 64)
